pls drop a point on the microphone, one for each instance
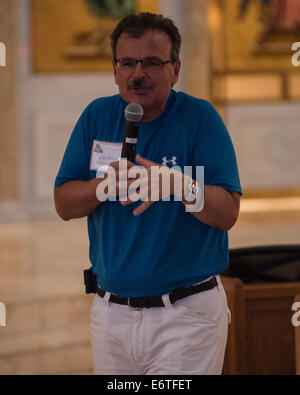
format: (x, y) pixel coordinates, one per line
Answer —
(133, 114)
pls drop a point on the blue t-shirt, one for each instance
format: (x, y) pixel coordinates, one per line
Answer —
(165, 247)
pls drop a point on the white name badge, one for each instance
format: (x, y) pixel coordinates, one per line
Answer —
(103, 154)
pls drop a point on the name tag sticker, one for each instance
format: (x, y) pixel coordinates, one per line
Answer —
(104, 153)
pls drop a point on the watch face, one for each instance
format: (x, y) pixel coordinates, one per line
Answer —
(193, 189)
(196, 189)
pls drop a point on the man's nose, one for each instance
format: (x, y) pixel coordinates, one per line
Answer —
(138, 71)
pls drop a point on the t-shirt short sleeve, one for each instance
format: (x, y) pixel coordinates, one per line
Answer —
(76, 159)
(214, 150)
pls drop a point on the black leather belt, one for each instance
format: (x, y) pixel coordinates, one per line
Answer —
(157, 301)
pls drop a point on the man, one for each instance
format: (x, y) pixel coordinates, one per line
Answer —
(160, 307)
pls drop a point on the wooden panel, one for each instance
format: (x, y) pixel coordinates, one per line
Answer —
(261, 339)
(269, 336)
(272, 290)
(234, 361)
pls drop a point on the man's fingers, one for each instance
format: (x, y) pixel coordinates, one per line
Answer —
(144, 162)
(114, 165)
(121, 164)
(124, 174)
(142, 208)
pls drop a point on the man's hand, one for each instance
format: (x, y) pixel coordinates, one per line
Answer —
(111, 176)
(121, 174)
(148, 182)
(150, 191)
(151, 182)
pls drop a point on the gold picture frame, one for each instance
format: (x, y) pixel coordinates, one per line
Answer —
(69, 36)
(254, 35)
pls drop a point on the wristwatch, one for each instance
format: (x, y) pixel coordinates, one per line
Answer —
(191, 191)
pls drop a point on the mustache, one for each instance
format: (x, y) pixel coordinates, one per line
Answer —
(139, 84)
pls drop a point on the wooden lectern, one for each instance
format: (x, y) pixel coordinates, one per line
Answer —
(261, 338)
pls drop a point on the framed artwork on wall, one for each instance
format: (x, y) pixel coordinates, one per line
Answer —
(254, 35)
(251, 51)
(257, 87)
(74, 35)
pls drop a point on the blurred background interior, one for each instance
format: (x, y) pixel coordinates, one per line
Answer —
(236, 54)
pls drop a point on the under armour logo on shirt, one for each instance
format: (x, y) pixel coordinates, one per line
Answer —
(173, 161)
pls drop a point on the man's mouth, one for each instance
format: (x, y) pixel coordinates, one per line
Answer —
(140, 90)
(139, 86)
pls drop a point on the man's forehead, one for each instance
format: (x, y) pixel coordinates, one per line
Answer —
(155, 39)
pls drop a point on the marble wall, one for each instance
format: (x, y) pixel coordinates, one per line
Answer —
(197, 49)
(9, 149)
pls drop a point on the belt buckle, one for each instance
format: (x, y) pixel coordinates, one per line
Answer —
(131, 307)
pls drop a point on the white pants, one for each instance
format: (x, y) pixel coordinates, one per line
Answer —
(187, 338)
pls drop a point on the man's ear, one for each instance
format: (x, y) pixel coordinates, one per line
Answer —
(176, 68)
(115, 72)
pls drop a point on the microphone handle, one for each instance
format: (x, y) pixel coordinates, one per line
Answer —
(130, 141)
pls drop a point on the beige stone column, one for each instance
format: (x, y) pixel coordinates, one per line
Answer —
(197, 49)
(9, 150)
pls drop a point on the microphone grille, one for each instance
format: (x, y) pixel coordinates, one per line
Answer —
(134, 113)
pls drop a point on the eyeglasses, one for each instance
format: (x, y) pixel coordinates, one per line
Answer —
(150, 63)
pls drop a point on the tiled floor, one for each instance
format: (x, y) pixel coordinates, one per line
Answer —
(41, 284)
